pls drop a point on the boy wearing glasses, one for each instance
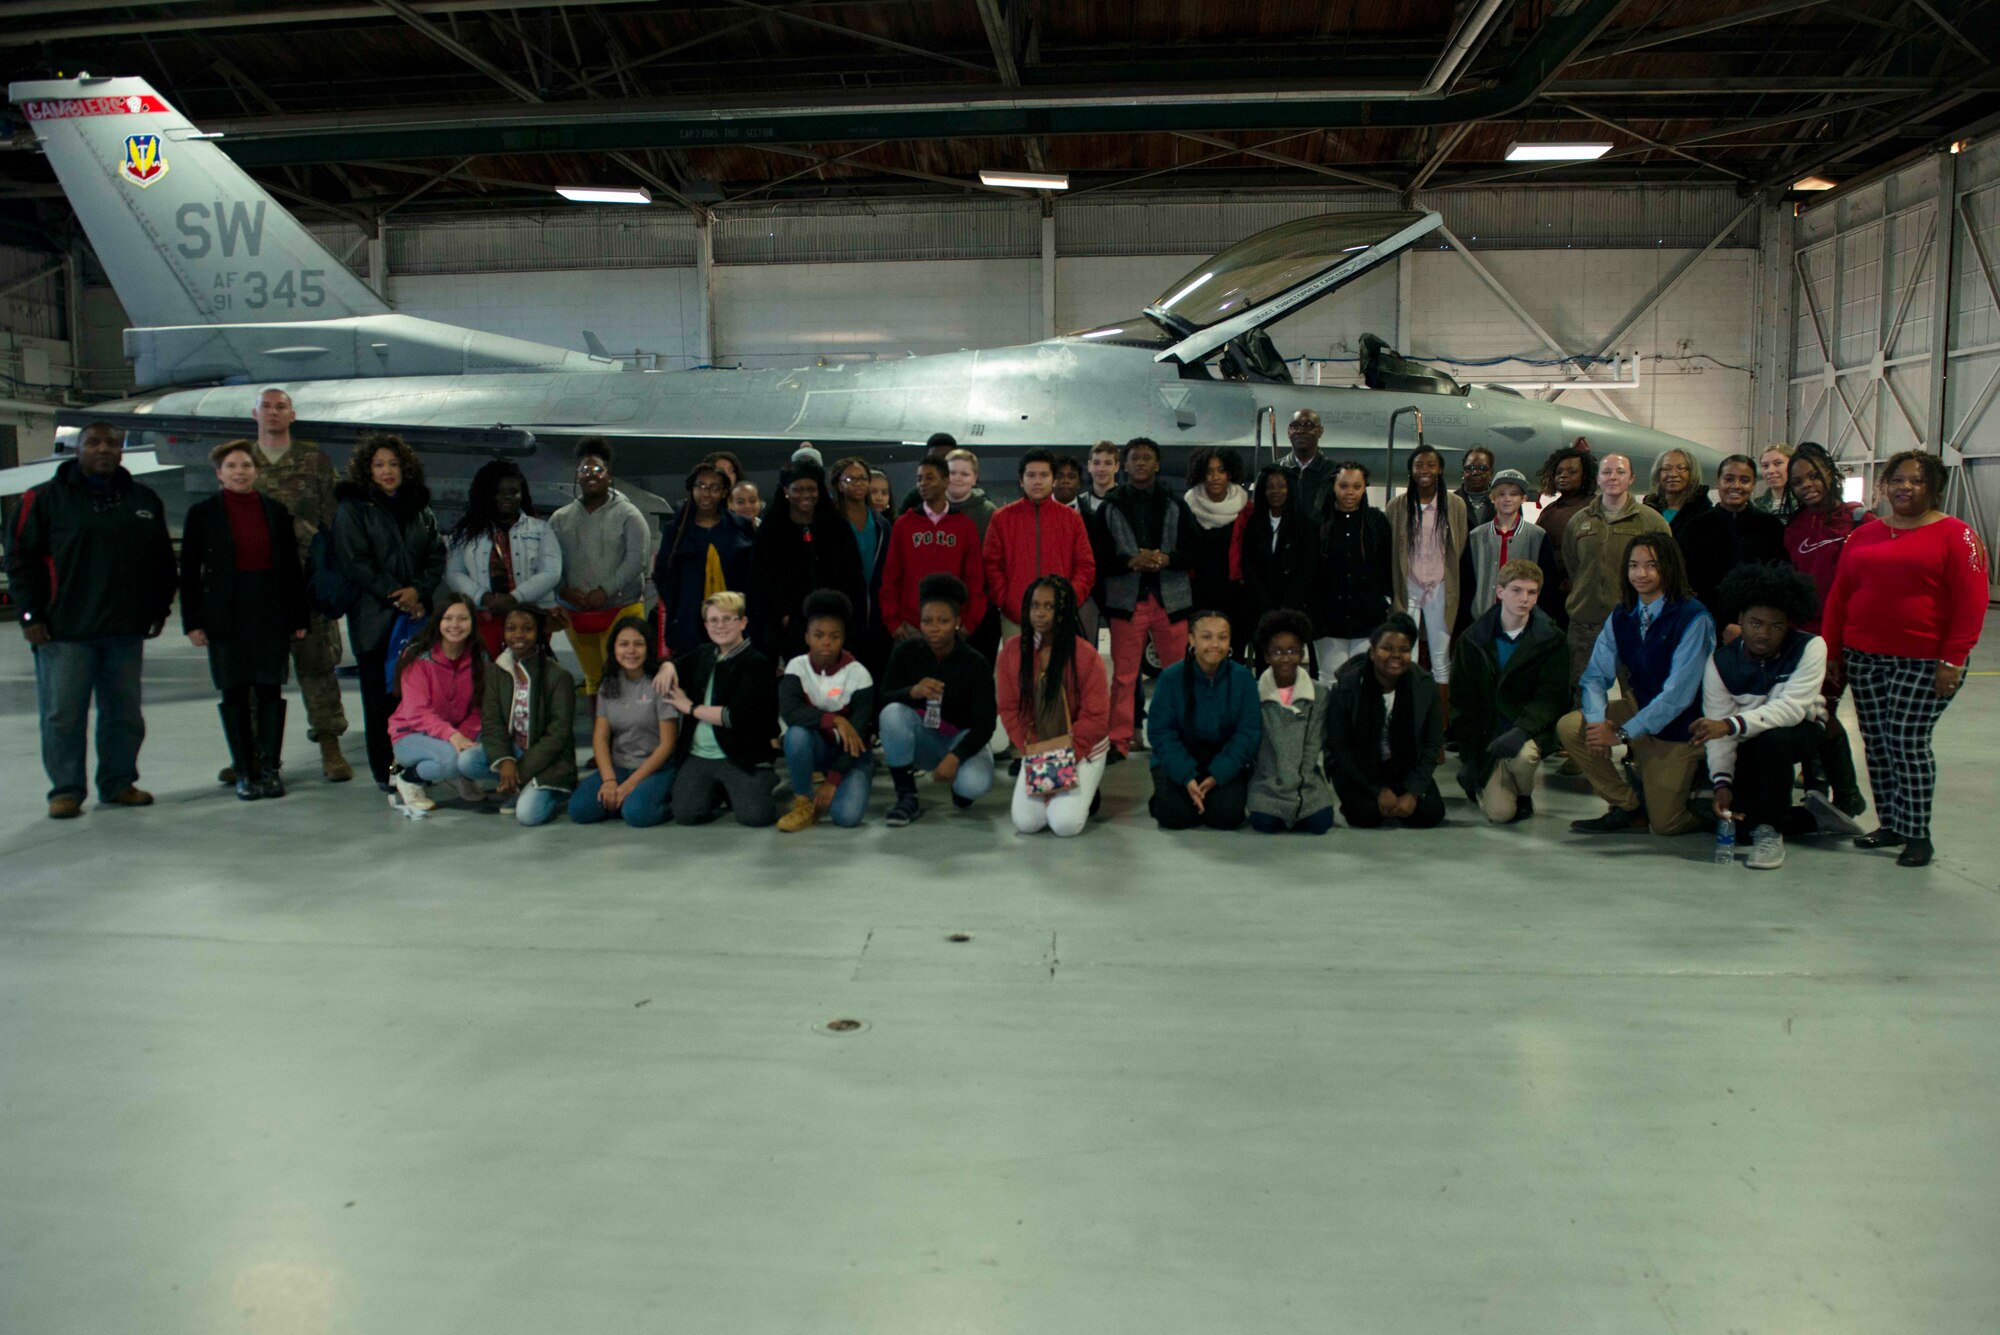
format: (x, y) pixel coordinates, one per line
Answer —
(603, 539)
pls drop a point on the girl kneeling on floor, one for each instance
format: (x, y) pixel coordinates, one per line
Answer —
(434, 731)
(729, 707)
(1289, 789)
(632, 742)
(527, 722)
(1056, 709)
(1385, 733)
(826, 700)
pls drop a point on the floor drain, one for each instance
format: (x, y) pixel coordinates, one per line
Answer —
(959, 938)
(842, 1026)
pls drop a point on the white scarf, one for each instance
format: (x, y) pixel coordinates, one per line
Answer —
(1216, 514)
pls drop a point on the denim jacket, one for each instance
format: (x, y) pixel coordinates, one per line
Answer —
(537, 558)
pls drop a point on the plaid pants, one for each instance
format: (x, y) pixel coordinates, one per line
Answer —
(1897, 702)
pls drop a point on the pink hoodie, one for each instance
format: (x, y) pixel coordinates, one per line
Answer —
(437, 698)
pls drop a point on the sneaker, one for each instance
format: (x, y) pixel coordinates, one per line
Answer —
(1767, 849)
(1524, 807)
(960, 802)
(1831, 819)
(907, 809)
(469, 790)
(1851, 802)
(412, 796)
(1615, 820)
(64, 808)
(507, 806)
(803, 815)
(131, 797)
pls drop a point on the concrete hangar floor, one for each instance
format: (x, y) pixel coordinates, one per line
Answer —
(309, 1067)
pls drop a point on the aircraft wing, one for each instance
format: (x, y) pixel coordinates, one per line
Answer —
(495, 441)
(14, 481)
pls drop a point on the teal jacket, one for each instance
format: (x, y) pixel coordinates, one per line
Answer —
(1201, 726)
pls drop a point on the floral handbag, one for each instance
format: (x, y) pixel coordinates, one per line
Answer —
(1049, 767)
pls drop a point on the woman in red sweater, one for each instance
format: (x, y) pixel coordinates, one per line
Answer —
(1055, 690)
(1903, 614)
(243, 599)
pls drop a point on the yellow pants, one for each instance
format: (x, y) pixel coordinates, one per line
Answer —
(1666, 770)
(591, 649)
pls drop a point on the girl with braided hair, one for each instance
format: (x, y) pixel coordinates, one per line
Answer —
(1051, 685)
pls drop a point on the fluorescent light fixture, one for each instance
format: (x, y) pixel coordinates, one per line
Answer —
(1025, 180)
(1813, 183)
(605, 194)
(1519, 152)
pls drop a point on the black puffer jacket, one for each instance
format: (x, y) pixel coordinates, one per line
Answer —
(383, 544)
(1351, 593)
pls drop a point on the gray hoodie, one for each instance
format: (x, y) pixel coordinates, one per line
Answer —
(605, 550)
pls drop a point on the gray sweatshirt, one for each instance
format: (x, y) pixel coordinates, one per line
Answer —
(606, 550)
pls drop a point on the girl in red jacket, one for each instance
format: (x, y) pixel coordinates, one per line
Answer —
(1054, 691)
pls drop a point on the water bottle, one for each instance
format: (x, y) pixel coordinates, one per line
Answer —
(934, 713)
(1725, 842)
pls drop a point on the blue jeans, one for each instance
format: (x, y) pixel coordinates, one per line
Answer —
(645, 806)
(434, 760)
(906, 741)
(1318, 823)
(532, 806)
(808, 749)
(68, 673)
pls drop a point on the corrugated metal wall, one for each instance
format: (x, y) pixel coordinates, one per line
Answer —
(1869, 264)
(997, 228)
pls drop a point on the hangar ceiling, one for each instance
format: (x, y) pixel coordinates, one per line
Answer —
(366, 108)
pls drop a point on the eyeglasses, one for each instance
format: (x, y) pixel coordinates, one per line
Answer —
(1479, 468)
(592, 470)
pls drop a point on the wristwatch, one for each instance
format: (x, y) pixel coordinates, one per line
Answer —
(1623, 740)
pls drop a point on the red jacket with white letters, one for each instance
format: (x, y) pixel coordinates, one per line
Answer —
(919, 546)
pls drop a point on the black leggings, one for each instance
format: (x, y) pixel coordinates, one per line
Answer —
(376, 706)
(260, 693)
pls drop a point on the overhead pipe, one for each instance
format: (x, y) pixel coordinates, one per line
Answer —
(600, 127)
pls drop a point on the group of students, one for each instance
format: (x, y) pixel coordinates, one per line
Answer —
(1312, 642)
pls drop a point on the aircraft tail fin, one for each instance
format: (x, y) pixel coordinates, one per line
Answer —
(187, 237)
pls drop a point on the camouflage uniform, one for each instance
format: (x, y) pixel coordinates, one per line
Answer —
(303, 483)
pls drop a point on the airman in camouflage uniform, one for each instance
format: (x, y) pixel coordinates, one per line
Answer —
(301, 478)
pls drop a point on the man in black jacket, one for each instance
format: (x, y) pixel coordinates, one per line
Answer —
(1147, 591)
(93, 570)
(1511, 667)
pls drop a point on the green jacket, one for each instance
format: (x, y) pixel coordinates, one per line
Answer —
(550, 755)
(1594, 555)
(1532, 690)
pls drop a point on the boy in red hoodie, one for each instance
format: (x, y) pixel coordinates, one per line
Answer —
(932, 539)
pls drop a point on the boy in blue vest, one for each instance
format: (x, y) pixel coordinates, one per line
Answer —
(1657, 642)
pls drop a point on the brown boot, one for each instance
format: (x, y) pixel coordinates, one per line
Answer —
(131, 797)
(331, 762)
(803, 816)
(64, 808)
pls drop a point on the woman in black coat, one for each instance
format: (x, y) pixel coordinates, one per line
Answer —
(1280, 549)
(802, 545)
(386, 541)
(243, 599)
(1351, 589)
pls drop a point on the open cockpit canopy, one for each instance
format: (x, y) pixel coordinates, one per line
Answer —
(1226, 301)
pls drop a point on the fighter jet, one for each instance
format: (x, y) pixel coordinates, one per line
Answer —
(229, 294)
